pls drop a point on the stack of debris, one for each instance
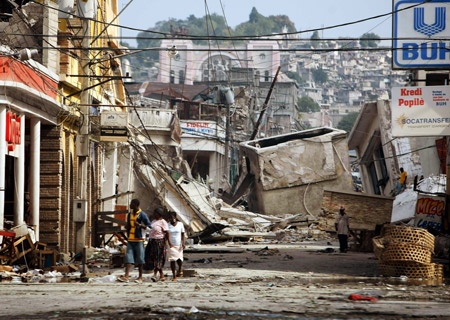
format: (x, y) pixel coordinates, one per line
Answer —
(18, 244)
(406, 251)
(210, 219)
(18, 248)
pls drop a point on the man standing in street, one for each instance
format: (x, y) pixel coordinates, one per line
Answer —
(342, 229)
(136, 221)
(401, 184)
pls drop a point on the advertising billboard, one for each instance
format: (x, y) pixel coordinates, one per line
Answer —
(205, 129)
(420, 34)
(420, 111)
(429, 211)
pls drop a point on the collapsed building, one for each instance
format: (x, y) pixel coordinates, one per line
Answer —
(289, 172)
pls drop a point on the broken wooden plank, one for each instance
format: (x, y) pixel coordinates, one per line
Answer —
(245, 215)
(118, 221)
(108, 213)
(116, 196)
(109, 230)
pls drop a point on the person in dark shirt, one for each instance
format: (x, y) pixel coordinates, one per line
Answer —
(136, 221)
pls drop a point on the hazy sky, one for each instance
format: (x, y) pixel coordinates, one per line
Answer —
(305, 14)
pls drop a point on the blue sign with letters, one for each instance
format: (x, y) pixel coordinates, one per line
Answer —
(421, 34)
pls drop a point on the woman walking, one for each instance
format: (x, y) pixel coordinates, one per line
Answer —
(155, 252)
(177, 239)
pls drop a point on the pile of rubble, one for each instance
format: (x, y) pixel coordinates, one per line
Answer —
(21, 255)
(210, 219)
(406, 251)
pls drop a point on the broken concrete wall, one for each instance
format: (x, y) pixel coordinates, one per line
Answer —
(364, 210)
(292, 170)
(26, 27)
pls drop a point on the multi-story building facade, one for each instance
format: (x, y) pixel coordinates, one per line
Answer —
(63, 92)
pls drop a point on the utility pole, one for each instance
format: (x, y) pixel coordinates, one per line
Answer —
(227, 145)
(447, 189)
(83, 154)
(264, 106)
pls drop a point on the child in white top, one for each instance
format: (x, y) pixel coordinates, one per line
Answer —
(177, 239)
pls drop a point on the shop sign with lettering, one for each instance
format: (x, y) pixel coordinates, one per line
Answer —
(13, 130)
(421, 31)
(429, 211)
(420, 111)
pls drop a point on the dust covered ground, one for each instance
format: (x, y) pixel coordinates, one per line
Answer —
(290, 281)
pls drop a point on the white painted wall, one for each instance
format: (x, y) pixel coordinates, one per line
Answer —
(109, 177)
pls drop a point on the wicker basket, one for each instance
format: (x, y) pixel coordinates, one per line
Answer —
(417, 236)
(411, 270)
(438, 271)
(406, 252)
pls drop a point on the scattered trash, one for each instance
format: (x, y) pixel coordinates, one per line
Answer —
(106, 279)
(327, 250)
(6, 268)
(53, 274)
(203, 261)
(267, 252)
(193, 309)
(356, 297)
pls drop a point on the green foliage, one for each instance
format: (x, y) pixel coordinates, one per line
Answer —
(315, 36)
(320, 75)
(369, 40)
(259, 24)
(125, 44)
(347, 121)
(214, 25)
(295, 76)
(307, 104)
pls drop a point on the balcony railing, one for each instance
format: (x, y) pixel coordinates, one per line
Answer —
(153, 119)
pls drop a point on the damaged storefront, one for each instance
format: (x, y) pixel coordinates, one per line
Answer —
(27, 105)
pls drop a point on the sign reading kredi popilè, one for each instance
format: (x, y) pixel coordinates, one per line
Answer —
(421, 33)
(420, 111)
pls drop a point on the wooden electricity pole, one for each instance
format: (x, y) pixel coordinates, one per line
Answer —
(264, 106)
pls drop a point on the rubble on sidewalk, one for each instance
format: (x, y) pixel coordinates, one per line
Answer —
(24, 258)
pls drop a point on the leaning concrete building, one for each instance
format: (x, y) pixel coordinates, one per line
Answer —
(291, 171)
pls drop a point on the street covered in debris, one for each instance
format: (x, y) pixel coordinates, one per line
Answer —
(306, 280)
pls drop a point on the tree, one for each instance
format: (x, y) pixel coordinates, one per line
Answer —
(255, 16)
(315, 36)
(259, 24)
(295, 76)
(320, 75)
(347, 121)
(369, 40)
(126, 44)
(307, 104)
(256, 25)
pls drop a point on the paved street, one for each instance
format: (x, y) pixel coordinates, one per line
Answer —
(282, 281)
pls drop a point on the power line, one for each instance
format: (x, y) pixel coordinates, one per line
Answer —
(253, 36)
(317, 50)
(206, 38)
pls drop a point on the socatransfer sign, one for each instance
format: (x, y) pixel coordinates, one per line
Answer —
(421, 34)
(420, 111)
